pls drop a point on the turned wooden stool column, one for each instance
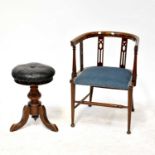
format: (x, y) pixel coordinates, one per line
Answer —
(33, 74)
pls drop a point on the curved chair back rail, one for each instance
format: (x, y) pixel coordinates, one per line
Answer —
(104, 34)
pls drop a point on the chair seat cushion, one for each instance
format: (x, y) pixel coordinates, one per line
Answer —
(106, 77)
(33, 74)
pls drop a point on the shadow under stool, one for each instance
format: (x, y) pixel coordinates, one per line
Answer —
(33, 74)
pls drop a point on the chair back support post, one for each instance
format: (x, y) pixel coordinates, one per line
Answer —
(81, 56)
(135, 65)
(74, 62)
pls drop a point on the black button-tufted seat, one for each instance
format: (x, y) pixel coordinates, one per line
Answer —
(33, 74)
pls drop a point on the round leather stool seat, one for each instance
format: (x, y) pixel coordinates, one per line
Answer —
(33, 74)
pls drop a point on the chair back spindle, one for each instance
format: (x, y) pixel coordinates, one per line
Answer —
(81, 55)
(123, 52)
(100, 50)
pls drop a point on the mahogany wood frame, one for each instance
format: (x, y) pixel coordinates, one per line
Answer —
(101, 35)
(35, 109)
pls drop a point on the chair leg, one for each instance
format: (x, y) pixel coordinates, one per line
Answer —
(72, 104)
(129, 109)
(133, 109)
(91, 95)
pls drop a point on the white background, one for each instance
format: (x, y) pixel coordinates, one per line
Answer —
(40, 31)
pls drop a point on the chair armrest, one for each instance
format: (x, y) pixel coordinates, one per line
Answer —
(78, 39)
(84, 36)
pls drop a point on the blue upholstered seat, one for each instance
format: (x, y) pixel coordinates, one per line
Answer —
(107, 77)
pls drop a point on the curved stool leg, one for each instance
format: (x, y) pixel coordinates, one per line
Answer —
(43, 116)
(25, 116)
